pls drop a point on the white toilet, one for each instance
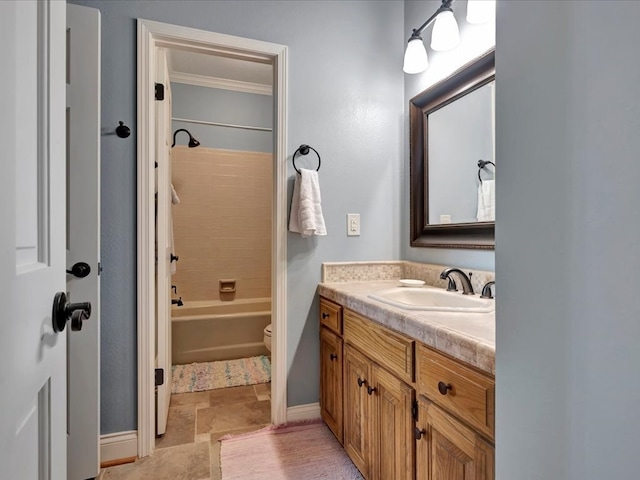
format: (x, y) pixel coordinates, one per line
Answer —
(267, 337)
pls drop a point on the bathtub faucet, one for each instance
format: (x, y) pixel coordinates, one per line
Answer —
(177, 302)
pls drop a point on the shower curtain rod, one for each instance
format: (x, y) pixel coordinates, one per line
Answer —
(216, 124)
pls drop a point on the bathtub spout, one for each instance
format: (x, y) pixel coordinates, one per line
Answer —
(177, 302)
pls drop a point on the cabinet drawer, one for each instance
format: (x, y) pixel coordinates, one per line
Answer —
(462, 391)
(331, 315)
(387, 348)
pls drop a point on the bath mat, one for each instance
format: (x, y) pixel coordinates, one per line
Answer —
(199, 377)
(304, 451)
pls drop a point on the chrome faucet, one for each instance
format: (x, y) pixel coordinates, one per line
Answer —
(486, 290)
(467, 288)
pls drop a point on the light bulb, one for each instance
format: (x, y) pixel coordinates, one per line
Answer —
(415, 56)
(481, 11)
(445, 35)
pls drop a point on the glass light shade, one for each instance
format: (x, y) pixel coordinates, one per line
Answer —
(481, 11)
(415, 57)
(445, 35)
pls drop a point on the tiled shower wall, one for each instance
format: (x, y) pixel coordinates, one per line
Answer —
(222, 225)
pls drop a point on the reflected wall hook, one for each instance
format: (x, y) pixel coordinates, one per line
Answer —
(122, 130)
(304, 150)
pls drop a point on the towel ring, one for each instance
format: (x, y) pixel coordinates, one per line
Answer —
(482, 164)
(304, 150)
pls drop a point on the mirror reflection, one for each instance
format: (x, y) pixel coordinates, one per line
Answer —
(452, 165)
(460, 135)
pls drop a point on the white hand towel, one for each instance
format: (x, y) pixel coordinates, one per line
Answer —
(487, 201)
(306, 212)
(175, 199)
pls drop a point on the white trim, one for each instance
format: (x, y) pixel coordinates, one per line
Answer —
(221, 83)
(279, 243)
(146, 237)
(152, 35)
(119, 445)
(310, 411)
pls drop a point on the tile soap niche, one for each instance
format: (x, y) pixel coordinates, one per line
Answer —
(227, 289)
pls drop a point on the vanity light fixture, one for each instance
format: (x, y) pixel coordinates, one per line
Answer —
(480, 11)
(445, 36)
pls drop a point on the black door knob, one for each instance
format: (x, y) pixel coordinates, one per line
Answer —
(417, 433)
(333, 356)
(370, 390)
(63, 312)
(361, 382)
(80, 270)
(174, 258)
(325, 315)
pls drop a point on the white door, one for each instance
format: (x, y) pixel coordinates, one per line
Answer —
(164, 241)
(83, 238)
(33, 395)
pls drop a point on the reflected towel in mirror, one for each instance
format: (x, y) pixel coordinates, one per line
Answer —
(487, 201)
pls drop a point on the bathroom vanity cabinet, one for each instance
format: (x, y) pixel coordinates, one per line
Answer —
(401, 409)
(331, 366)
(456, 410)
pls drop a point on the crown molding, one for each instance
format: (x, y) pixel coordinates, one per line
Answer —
(222, 83)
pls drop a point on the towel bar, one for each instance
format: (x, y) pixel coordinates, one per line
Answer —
(304, 150)
(482, 164)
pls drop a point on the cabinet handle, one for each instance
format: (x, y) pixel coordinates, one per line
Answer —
(325, 315)
(370, 390)
(418, 433)
(333, 356)
(361, 382)
(443, 388)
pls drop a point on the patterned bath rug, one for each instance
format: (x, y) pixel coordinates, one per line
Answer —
(199, 377)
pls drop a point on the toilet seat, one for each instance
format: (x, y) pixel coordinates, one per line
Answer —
(267, 337)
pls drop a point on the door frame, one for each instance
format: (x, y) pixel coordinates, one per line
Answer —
(152, 35)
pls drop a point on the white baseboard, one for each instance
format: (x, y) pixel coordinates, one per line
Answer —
(115, 446)
(310, 411)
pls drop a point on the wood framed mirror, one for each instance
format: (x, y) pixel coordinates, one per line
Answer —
(451, 130)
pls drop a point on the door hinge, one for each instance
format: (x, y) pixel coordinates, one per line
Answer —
(159, 91)
(99, 268)
(414, 410)
(159, 376)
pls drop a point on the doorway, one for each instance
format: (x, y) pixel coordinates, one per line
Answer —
(153, 39)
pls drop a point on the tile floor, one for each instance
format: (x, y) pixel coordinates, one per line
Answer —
(189, 450)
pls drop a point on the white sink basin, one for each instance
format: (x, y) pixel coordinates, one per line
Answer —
(434, 299)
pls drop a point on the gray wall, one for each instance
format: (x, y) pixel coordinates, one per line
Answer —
(194, 102)
(345, 99)
(568, 316)
(475, 39)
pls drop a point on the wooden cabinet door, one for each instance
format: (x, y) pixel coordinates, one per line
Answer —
(357, 408)
(448, 450)
(393, 428)
(331, 381)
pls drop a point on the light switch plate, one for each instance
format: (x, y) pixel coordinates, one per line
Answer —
(353, 224)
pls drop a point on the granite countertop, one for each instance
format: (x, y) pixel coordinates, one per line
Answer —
(469, 337)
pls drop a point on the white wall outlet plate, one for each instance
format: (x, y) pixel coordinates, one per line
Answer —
(353, 224)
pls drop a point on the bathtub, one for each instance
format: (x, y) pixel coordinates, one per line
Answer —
(206, 331)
